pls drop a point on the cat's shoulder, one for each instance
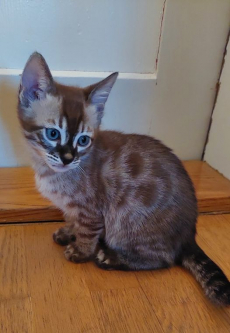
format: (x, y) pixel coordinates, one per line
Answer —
(111, 138)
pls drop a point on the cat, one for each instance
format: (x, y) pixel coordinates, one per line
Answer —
(127, 200)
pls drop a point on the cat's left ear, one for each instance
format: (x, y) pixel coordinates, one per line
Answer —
(97, 95)
(36, 80)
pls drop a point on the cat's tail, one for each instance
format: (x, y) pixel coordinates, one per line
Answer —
(215, 284)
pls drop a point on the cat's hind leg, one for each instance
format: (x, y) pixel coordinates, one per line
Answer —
(108, 259)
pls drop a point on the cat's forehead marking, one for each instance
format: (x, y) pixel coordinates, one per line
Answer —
(81, 127)
(85, 128)
(51, 121)
(47, 108)
(64, 134)
(91, 112)
(73, 111)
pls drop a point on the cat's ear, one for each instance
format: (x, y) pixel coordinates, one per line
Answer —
(36, 79)
(97, 95)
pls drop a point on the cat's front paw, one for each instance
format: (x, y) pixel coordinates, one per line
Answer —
(71, 253)
(63, 236)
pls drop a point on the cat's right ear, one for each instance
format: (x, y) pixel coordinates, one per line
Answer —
(36, 80)
(97, 94)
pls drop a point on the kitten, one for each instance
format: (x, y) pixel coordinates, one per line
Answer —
(127, 200)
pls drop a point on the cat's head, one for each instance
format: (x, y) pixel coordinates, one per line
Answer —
(59, 122)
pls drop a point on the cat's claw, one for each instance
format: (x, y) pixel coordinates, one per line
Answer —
(102, 258)
(107, 259)
(69, 252)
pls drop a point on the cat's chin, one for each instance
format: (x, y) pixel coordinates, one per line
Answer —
(61, 168)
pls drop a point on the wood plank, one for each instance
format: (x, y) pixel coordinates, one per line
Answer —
(213, 230)
(41, 292)
(104, 280)
(212, 189)
(13, 266)
(60, 297)
(180, 304)
(20, 201)
(16, 316)
(15, 305)
(125, 310)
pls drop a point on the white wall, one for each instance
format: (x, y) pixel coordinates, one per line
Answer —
(217, 152)
(173, 103)
(193, 41)
(85, 35)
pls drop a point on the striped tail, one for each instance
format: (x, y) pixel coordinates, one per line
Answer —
(215, 284)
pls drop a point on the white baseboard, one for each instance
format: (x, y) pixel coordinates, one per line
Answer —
(81, 74)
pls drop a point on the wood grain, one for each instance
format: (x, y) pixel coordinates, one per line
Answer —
(103, 280)
(41, 292)
(60, 297)
(15, 304)
(20, 201)
(13, 266)
(125, 310)
(16, 316)
(209, 235)
(212, 189)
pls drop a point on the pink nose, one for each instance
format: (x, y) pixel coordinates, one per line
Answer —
(67, 158)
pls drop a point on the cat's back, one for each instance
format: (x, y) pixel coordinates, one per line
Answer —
(139, 160)
(137, 149)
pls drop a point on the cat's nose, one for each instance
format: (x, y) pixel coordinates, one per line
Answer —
(67, 158)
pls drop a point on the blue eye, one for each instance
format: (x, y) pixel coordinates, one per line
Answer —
(52, 133)
(83, 141)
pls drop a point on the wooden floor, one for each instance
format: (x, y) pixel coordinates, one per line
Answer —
(40, 292)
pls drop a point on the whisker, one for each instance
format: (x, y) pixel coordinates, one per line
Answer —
(52, 157)
(80, 168)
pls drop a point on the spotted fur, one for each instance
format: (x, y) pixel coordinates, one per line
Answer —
(128, 202)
